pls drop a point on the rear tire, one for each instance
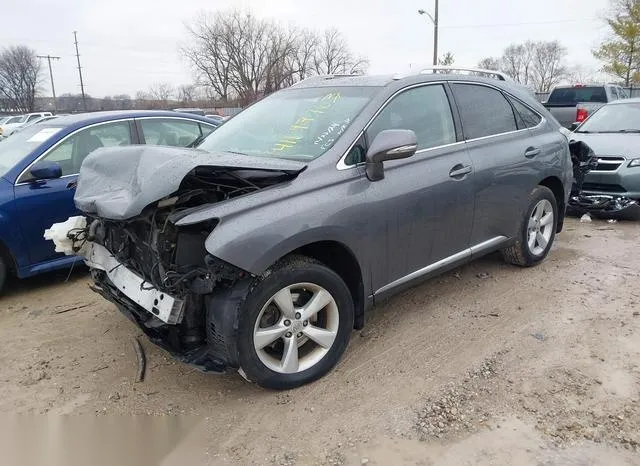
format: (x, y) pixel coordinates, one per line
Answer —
(537, 230)
(294, 325)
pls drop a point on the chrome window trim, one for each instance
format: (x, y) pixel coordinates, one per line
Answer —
(178, 117)
(341, 165)
(61, 141)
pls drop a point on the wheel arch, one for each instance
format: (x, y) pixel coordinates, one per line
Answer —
(339, 258)
(9, 260)
(556, 187)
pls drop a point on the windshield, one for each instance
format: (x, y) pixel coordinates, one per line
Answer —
(613, 118)
(300, 124)
(575, 95)
(18, 145)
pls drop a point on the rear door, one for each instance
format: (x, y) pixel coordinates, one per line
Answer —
(502, 155)
(45, 202)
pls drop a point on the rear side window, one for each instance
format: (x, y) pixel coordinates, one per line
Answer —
(484, 111)
(575, 95)
(525, 117)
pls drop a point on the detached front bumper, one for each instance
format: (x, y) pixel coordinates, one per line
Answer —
(167, 308)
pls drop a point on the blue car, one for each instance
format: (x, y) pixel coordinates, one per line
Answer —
(38, 173)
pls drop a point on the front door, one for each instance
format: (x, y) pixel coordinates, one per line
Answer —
(45, 202)
(427, 200)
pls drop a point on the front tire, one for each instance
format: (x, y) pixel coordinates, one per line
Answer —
(294, 325)
(537, 230)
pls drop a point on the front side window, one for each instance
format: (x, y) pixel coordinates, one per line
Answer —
(484, 111)
(296, 123)
(425, 110)
(33, 117)
(72, 151)
(173, 131)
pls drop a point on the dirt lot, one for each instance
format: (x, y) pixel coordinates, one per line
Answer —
(489, 364)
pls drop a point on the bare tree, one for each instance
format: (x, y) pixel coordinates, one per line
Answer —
(548, 67)
(20, 76)
(334, 57)
(186, 93)
(539, 65)
(490, 63)
(161, 92)
(517, 62)
(238, 55)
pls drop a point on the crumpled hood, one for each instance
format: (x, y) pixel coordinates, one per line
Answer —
(119, 182)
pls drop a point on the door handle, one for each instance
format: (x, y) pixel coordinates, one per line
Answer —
(531, 152)
(72, 184)
(460, 170)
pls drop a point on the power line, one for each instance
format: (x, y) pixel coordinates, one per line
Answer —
(84, 99)
(533, 23)
(53, 87)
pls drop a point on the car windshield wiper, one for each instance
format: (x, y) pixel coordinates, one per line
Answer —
(582, 132)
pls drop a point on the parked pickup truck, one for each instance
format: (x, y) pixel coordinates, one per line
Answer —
(573, 104)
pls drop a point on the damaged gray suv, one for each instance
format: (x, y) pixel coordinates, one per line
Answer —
(261, 250)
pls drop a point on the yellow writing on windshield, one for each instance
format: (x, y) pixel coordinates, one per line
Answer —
(303, 122)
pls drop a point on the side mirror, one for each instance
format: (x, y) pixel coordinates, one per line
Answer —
(390, 144)
(574, 126)
(46, 171)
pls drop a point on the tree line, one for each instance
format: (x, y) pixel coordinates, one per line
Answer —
(237, 58)
(237, 55)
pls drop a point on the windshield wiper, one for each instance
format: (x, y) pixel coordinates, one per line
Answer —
(628, 131)
(235, 152)
(197, 141)
(582, 132)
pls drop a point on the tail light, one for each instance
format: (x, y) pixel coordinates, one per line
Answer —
(581, 115)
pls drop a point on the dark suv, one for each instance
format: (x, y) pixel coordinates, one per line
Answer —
(264, 249)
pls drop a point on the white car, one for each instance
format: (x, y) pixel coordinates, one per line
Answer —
(8, 127)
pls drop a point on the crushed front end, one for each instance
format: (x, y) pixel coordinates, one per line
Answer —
(158, 274)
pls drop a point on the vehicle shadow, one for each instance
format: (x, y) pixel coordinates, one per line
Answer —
(16, 287)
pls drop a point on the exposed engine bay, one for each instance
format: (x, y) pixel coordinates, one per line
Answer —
(161, 275)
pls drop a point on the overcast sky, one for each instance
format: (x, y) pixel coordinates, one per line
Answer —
(127, 45)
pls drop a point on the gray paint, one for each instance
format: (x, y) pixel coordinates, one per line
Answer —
(417, 216)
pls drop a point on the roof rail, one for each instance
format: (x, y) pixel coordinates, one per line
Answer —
(446, 69)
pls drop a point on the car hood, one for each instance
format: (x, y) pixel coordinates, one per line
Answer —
(618, 144)
(119, 182)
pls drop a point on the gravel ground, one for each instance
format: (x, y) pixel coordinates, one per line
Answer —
(488, 364)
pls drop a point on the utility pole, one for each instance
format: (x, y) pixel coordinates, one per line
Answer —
(53, 87)
(84, 100)
(434, 20)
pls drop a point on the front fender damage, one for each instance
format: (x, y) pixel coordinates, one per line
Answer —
(158, 273)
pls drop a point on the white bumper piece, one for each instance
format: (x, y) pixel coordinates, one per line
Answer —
(166, 308)
(59, 234)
